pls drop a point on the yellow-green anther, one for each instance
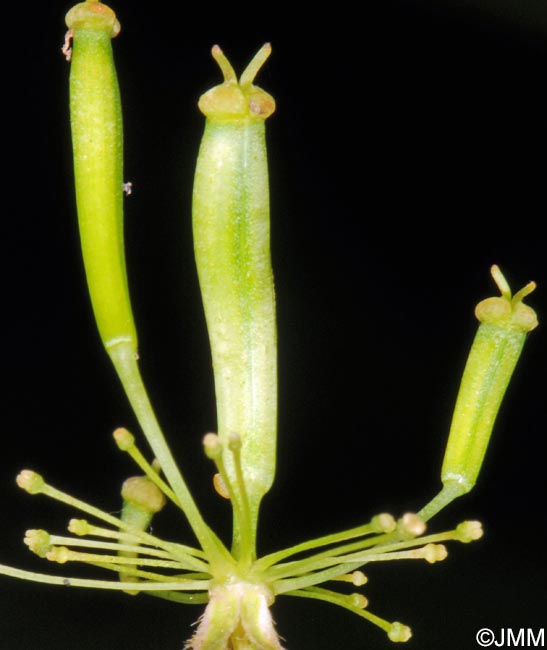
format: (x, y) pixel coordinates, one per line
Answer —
(38, 542)
(124, 439)
(97, 140)
(231, 226)
(30, 481)
(399, 633)
(504, 324)
(79, 527)
(468, 531)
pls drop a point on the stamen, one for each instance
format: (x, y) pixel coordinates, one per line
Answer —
(62, 554)
(126, 442)
(469, 531)
(399, 633)
(34, 484)
(408, 527)
(30, 481)
(435, 553)
(234, 445)
(396, 631)
(357, 578)
(123, 438)
(430, 552)
(358, 600)
(59, 554)
(82, 527)
(213, 449)
(411, 525)
(220, 486)
(38, 541)
(178, 551)
(139, 573)
(382, 523)
(190, 585)
(56, 540)
(212, 446)
(308, 580)
(332, 564)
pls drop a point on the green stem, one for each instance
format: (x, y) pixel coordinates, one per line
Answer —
(451, 490)
(126, 366)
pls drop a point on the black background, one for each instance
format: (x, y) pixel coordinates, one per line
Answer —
(407, 155)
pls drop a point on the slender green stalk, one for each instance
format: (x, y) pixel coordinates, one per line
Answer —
(101, 584)
(127, 367)
(396, 631)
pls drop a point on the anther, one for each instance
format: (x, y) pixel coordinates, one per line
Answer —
(212, 446)
(234, 442)
(38, 542)
(383, 523)
(399, 633)
(358, 600)
(78, 527)
(30, 481)
(412, 525)
(60, 554)
(357, 578)
(124, 439)
(434, 553)
(220, 486)
(469, 531)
